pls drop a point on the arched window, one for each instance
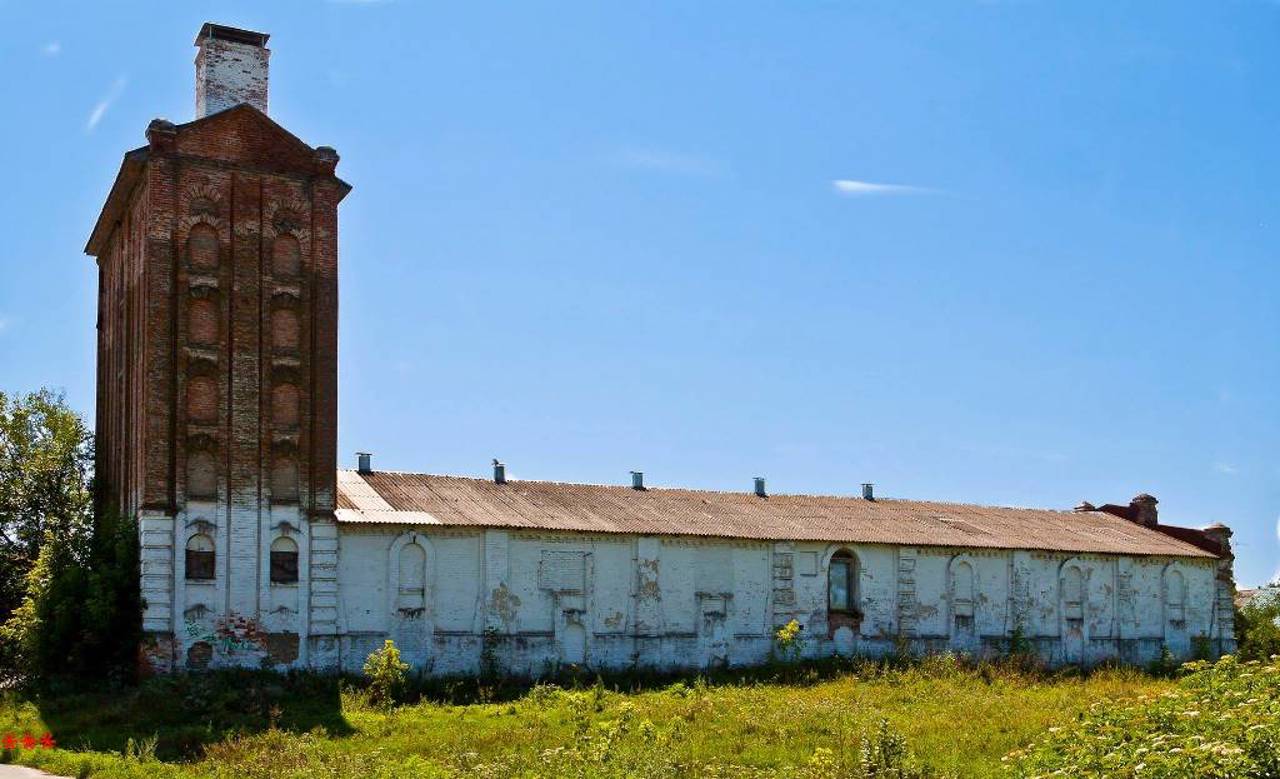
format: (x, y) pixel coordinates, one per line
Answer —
(284, 561)
(962, 595)
(201, 561)
(842, 583)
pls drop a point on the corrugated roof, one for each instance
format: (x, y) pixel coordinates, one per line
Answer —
(425, 499)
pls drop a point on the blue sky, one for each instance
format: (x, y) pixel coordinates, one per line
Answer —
(1009, 253)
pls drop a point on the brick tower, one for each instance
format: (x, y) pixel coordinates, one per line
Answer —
(217, 371)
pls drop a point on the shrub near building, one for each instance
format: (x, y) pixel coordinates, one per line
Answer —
(1222, 720)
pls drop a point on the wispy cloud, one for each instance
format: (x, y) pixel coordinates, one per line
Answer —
(855, 188)
(666, 161)
(1226, 468)
(100, 110)
(51, 49)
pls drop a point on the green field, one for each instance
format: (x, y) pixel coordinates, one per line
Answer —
(956, 720)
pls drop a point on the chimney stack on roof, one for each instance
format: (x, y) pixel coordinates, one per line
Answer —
(231, 68)
(637, 480)
(499, 472)
(364, 462)
(868, 491)
(760, 493)
(1143, 510)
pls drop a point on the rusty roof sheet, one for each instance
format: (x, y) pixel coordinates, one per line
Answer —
(425, 499)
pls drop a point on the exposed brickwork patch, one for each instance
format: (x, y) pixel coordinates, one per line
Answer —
(199, 655)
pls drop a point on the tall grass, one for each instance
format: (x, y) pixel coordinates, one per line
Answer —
(938, 716)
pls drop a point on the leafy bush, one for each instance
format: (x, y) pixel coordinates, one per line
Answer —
(387, 674)
(1222, 720)
(788, 642)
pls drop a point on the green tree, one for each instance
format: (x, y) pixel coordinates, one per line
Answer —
(1258, 625)
(46, 455)
(69, 602)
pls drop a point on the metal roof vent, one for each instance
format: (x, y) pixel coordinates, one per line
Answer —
(868, 491)
(760, 493)
(499, 472)
(364, 462)
(637, 480)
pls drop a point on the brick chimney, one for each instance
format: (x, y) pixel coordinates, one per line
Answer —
(1143, 510)
(231, 69)
(1221, 535)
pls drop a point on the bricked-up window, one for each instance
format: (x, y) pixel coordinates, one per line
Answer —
(284, 405)
(284, 329)
(202, 321)
(286, 256)
(1175, 596)
(202, 400)
(1073, 593)
(202, 247)
(284, 561)
(962, 592)
(842, 580)
(202, 475)
(284, 479)
(201, 562)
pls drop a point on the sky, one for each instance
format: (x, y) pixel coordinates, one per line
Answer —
(1006, 253)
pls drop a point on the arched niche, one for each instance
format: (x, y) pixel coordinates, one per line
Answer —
(409, 575)
(962, 593)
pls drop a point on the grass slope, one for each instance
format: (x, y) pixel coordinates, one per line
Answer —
(957, 720)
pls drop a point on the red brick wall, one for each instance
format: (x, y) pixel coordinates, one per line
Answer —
(218, 321)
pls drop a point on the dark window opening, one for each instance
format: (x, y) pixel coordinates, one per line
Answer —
(284, 561)
(842, 584)
(200, 565)
(284, 567)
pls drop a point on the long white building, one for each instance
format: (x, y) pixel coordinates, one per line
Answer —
(217, 430)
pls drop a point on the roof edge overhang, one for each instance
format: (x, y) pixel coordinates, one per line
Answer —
(131, 168)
